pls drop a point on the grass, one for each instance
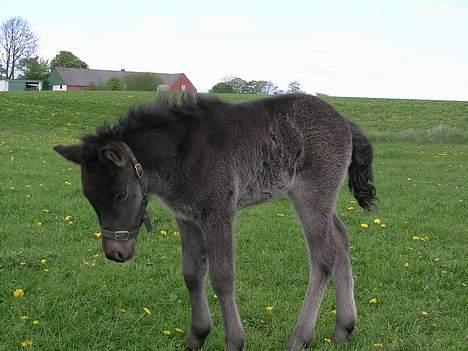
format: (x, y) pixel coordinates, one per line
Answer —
(81, 301)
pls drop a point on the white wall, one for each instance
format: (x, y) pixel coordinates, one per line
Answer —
(3, 85)
(59, 87)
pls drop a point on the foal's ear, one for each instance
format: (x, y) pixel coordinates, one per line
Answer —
(73, 153)
(114, 153)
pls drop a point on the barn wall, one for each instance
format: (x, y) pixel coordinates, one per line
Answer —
(3, 85)
(178, 85)
(76, 88)
(59, 87)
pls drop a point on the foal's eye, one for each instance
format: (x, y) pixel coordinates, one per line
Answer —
(121, 196)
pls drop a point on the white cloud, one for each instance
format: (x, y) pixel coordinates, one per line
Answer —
(329, 62)
(444, 11)
(225, 24)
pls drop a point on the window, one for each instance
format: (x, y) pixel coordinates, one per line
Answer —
(182, 87)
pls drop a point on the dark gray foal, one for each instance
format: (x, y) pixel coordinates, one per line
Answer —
(205, 160)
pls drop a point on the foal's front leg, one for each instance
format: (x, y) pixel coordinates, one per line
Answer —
(219, 240)
(194, 267)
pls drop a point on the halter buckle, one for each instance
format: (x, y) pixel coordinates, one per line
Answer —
(121, 235)
(139, 170)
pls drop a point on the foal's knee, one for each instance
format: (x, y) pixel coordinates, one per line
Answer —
(194, 273)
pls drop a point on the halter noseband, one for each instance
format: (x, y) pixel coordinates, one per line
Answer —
(123, 235)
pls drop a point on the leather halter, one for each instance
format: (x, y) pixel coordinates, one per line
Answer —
(123, 235)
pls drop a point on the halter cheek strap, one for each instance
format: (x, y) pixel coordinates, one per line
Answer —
(123, 235)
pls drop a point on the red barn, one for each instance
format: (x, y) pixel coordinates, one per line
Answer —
(62, 79)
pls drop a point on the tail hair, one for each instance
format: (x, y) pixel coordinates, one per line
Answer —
(360, 170)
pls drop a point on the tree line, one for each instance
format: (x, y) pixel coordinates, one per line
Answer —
(18, 53)
(19, 59)
(236, 85)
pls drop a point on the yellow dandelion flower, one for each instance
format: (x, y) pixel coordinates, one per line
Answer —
(26, 343)
(147, 310)
(45, 270)
(373, 301)
(163, 233)
(424, 313)
(24, 318)
(406, 264)
(167, 332)
(43, 261)
(23, 263)
(280, 214)
(327, 340)
(378, 345)
(67, 182)
(269, 309)
(97, 234)
(179, 330)
(350, 208)
(382, 225)
(45, 210)
(35, 322)
(365, 225)
(215, 296)
(38, 223)
(333, 311)
(377, 221)
(437, 259)
(18, 293)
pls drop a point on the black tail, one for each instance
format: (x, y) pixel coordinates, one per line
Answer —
(360, 169)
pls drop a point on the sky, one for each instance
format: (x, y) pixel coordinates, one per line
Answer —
(387, 49)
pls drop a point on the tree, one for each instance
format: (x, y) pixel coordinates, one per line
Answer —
(238, 84)
(17, 42)
(270, 88)
(222, 87)
(294, 87)
(35, 68)
(67, 59)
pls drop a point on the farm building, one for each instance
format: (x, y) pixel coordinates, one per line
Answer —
(20, 85)
(62, 79)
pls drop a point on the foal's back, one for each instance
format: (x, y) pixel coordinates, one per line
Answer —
(267, 144)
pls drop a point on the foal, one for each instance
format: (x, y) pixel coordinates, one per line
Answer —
(206, 159)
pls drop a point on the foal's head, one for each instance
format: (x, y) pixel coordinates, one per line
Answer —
(111, 185)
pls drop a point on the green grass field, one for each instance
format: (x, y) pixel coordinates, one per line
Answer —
(414, 268)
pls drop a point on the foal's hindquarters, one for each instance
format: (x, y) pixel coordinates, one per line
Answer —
(314, 195)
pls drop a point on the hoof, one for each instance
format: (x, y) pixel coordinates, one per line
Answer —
(342, 334)
(296, 344)
(195, 342)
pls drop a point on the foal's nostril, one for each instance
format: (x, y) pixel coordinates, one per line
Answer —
(116, 256)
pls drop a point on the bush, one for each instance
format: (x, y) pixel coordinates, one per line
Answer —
(113, 83)
(141, 82)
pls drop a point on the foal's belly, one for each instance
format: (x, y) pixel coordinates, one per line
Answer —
(263, 189)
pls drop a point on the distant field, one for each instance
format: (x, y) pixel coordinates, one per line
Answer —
(74, 299)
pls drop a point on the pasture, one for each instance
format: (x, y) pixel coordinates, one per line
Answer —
(410, 262)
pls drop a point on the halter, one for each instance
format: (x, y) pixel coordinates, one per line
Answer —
(124, 235)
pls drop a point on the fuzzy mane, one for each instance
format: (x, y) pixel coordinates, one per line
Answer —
(165, 111)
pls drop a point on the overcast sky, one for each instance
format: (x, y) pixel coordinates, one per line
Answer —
(399, 48)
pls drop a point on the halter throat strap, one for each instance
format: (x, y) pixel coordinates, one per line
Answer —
(123, 235)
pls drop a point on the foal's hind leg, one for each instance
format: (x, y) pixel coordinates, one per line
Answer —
(194, 268)
(317, 221)
(343, 276)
